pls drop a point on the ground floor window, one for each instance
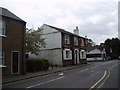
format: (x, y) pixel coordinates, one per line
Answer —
(2, 58)
(67, 53)
(82, 54)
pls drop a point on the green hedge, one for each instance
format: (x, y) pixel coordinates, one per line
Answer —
(36, 64)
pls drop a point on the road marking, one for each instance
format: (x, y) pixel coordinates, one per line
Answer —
(45, 75)
(83, 70)
(94, 66)
(45, 82)
(99, 80)
(61, 74)
(31, 78)
(108, 75)
(105, 79)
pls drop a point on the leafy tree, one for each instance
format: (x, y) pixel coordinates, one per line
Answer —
(113, 47)
(108, 45)
(34, 41)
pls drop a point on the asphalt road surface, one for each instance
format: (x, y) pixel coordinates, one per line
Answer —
(97, 75)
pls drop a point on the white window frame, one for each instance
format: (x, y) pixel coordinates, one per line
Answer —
(2, 58)
(75, 40)
(84, 54)
(69, 56)
(67, 39)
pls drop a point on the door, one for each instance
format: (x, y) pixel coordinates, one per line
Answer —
(15, 62)
(76, 57)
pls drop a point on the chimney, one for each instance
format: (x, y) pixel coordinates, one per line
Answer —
(76, 31)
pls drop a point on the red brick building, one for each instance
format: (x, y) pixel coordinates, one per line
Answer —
(12, 53)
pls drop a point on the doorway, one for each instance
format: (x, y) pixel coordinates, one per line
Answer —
(15, 62)
(76, 57)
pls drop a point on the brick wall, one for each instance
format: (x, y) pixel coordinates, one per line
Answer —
(14, 41)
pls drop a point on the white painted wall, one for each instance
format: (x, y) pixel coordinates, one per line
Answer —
(52, 40)
(52, 37)
(46, 29)
(53, 56)
(52, 51)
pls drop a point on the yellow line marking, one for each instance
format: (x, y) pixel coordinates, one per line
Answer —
(99, 80)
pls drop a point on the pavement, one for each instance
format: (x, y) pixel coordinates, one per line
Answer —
(15, 78)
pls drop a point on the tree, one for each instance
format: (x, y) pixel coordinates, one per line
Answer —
(113, 47)
(108, 46)
(34, 41)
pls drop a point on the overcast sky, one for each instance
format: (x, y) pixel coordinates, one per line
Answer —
(96, 19)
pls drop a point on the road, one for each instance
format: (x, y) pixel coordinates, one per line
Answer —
(97, 75)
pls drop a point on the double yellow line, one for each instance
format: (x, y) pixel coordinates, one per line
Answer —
(105, 73)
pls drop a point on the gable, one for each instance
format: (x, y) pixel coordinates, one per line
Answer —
(6, 13)
(47, 30)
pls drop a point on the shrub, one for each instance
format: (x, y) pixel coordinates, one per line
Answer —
(36, 64)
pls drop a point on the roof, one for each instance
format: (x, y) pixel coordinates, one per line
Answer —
(94, 51)
(7, 13)
(90, 48)
(63, 30)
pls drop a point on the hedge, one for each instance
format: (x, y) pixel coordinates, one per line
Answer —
(36, 64)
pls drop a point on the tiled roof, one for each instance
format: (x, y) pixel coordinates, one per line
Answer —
(7, 13)
(63, 30)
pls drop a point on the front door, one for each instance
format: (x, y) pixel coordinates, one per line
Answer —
(76, 57)
(15, 62)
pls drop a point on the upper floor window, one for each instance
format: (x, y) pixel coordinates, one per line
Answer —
(67, 39)
(82, 42)
(2, 27)
(75, 41)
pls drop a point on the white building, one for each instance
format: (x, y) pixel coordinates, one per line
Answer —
(96, 54)
(62, 47)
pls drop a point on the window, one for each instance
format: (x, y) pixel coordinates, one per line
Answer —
(82, 54)
(67, 39)
(82, 42)
(2, 27)
(67, 54)
(75, 41)
(2, 58)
